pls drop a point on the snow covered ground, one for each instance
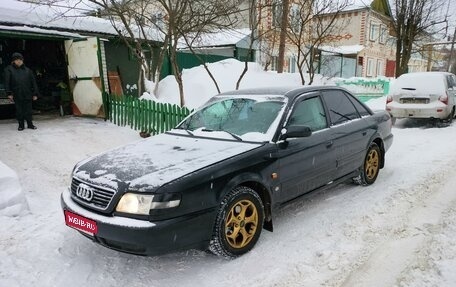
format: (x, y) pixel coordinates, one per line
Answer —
(398, 232)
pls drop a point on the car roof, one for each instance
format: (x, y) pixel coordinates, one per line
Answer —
(425, 73)
(290, 92)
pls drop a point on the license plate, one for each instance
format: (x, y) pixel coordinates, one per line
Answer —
(5, 102)
(80, 223)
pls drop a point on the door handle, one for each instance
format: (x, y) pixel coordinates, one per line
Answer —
(364, 133)
(329, 144)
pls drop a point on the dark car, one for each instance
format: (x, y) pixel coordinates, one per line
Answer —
(215, 180)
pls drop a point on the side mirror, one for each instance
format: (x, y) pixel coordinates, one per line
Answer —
(296, 131)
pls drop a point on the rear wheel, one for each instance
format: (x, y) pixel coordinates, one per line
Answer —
(450, 117)
(393, 120)
(371, 165)
(238, 224)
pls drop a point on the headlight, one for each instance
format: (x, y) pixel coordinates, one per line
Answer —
(135, 203)
(142, 203)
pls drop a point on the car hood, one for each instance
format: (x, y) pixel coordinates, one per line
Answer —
(150, 163)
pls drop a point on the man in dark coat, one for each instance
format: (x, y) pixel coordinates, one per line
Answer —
(21, 87)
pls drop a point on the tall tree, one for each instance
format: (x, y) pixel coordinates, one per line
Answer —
(283, 35)
(311, 22)
(136, 20)
(414, 20)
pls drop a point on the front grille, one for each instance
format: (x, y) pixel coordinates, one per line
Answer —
(101, 196)
(414, 101)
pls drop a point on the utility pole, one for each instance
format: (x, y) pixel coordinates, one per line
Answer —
(451, 52)
(430, 47)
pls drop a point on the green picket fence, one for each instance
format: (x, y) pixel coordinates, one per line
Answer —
(143, 115)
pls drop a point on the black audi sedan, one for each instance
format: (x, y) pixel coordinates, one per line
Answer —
(215, 181)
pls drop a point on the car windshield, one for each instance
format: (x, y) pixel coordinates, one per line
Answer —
(241, 118)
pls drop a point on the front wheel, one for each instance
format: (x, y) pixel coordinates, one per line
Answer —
(238, 224)
(371, 165)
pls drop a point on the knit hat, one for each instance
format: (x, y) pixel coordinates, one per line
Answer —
(16, 56)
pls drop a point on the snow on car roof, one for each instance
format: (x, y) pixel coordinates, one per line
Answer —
(425, 82)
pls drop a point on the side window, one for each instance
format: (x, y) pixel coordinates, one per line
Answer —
(450, 81)
(340, 107)
(362, 110)
(309, 112)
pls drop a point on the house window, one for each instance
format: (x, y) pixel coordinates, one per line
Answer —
(373, 32)
(274, 63)
(277, 7)
(291, 65)
(295, 18)
(383, 34)
(158, 20)
(360, 61)
(370, 67)
(380, 68)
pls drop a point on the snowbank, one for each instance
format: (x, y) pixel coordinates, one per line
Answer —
(199, 87)
(12, 200)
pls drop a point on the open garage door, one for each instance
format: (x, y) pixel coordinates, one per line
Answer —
(85, 71)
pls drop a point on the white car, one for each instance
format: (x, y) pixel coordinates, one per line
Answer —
(428, 95)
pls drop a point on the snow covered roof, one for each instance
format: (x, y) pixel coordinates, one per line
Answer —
(357, 4)
(27, 15)
(344, 50)
(238, 37)
(40, 31)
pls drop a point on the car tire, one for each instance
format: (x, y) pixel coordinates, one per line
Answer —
(238, 223)
(450, 116)
(371, 166)
(393, 121)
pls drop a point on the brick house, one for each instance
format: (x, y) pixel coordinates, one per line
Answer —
(364, 47)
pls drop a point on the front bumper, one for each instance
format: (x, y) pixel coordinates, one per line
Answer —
(144, 237)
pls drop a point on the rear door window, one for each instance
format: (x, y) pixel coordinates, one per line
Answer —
(450, 81)
(362, 110)
(341, 109)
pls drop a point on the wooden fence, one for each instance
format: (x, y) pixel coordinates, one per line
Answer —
(143, 115)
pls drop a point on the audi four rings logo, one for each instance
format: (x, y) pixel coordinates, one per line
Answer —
(84, 191)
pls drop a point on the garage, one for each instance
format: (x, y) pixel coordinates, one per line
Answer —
(45, 56)
(75, 59)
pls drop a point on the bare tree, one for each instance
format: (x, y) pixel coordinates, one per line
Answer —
(311, 22)
(129, 19)
(194, 16)
(135, 27)
(414, 19)
(136, 20)
(283, 35)
(208, 19)
(257, 14)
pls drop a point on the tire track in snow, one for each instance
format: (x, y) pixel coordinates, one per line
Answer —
(391, 259)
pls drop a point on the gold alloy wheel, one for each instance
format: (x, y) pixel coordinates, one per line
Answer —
(241, 223)
(371, 165)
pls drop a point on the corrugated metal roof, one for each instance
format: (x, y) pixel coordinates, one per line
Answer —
(31, 31)
(20, 14)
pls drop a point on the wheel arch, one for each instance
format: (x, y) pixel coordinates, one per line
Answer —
(380, 144)
(256, 183)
